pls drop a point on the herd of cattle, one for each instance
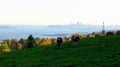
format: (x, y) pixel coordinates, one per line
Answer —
(75, 39)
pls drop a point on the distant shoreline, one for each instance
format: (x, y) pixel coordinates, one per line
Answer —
(23, 31)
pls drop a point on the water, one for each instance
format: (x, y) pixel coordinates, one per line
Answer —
(18, 32)
(52, 31)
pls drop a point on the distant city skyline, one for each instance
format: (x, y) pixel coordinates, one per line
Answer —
(62, 12)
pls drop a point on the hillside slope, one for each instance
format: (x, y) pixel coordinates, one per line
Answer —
(90, 52)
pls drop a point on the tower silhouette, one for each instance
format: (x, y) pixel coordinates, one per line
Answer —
(103, 30)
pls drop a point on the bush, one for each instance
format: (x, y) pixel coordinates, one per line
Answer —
(8, 42)
(64, 39)
(43, 42)
(79, 35)
(93, 33)
(110, 33)
(118, 32)
(99, 34)
(54, 41)
(4, 48)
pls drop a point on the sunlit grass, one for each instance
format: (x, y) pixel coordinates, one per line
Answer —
(91, 52)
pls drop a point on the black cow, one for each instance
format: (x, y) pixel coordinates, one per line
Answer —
(59, 41)
(75, 39)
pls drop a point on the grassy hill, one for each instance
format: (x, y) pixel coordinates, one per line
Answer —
(90, 52)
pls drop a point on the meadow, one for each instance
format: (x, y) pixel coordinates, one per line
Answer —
(103, 51)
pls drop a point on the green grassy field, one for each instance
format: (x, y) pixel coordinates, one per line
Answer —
(90, 52)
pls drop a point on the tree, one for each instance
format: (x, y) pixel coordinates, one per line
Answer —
(14, 45)
(110, 33)
(8, 42)
(23, 42)
(118, 32)
(45, 41)
(30, 41)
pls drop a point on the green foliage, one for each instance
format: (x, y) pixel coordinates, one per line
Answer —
(4, 48)
(8, 42)
(93, 33)
(30, 41)
(99, 34)
(91, 36)
(54, 41)
(23, 42)
(14, 45)
(110, 33)
(45, 41)
(90, 52)
(37, 41)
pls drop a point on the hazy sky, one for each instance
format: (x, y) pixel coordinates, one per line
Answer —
(45, 12)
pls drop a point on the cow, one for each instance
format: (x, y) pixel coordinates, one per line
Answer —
(75, 40)
(59, 41)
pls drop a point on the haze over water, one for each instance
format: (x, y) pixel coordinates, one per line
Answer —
(50, 31)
